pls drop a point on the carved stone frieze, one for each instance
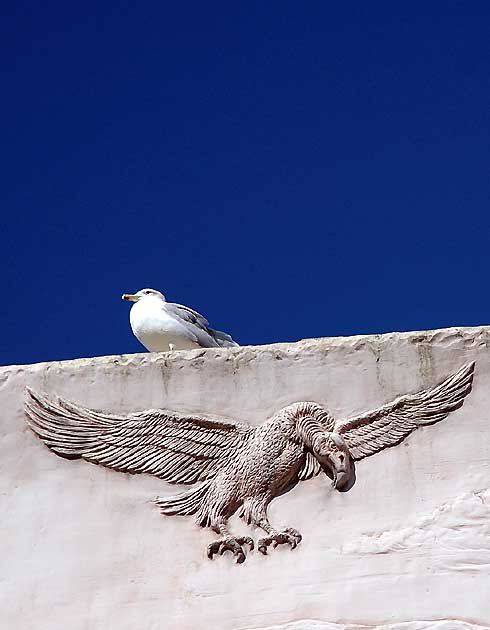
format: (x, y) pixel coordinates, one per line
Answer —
(239, 468)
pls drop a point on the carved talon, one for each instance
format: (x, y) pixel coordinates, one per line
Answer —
(233, 544)
(289, 535)
(295, 533)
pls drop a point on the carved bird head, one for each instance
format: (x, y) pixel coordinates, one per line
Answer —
(332, 453)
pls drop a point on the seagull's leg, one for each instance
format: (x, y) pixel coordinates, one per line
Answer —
(228, 542)
(275, 537)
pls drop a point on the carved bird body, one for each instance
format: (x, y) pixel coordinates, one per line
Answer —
(239, 467)
(271, 458)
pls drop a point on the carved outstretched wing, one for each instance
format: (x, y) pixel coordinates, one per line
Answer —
(388, 425)
(177, 448)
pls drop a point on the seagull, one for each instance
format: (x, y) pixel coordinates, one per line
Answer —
(161, 326)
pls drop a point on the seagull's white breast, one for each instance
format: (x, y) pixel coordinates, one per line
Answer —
(155, 328)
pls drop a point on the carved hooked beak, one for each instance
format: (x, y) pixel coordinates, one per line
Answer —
(340, 479)
(335, 459)
(341, 471)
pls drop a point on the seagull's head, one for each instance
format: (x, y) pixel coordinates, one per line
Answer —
(144, 294)
(332, 453)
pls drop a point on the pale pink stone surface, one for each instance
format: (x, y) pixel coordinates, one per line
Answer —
(408, 548)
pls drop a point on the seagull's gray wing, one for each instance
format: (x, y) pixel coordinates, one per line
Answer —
(224, 339)
(188, 314)
(174, 447)
(207, 336)
(388, 425)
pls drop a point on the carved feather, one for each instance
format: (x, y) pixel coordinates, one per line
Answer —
(310, 468)
(174, 447)
(388, 425)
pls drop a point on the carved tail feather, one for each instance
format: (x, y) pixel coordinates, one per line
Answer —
(189, 502)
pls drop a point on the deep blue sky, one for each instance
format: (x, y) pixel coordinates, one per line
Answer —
(289, 169)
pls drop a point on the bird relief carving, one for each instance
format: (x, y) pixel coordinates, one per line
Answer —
(238, 467)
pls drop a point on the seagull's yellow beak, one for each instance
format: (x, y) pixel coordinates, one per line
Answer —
(130, 297)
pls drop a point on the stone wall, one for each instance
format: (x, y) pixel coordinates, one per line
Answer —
(408, 547)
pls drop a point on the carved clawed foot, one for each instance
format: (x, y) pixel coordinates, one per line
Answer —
(289, 535)
(233, 544)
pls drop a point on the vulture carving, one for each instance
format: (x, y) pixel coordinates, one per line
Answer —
(238, 467)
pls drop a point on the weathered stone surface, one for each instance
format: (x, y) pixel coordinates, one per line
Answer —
(407, 548)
